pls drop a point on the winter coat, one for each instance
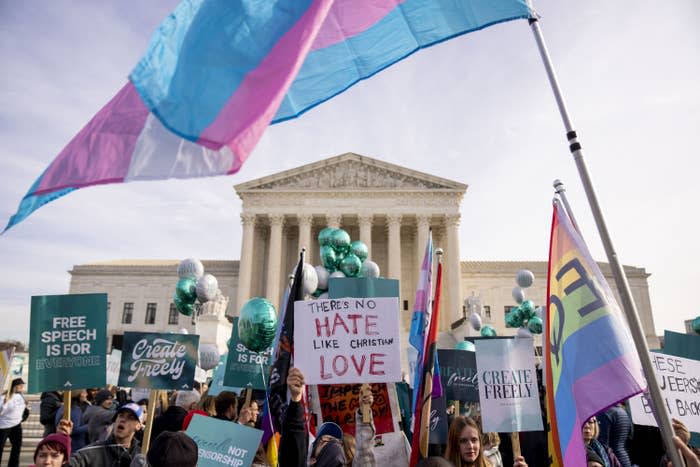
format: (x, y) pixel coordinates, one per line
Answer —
(170, 420)
(294, 443)
(50, 402)
(98, 420)
(78, 436)
(107, 453)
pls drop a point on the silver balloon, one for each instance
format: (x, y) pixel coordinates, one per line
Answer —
(524, 278)
(183, 331)
(207, 288)
(208, 356)
(190, 267)
(475, 321)
(323, 296)
(524, 332)
(322, 274)
(369, 269)
(518, 295)
(337, 274)
(539, 312)
(310, 279)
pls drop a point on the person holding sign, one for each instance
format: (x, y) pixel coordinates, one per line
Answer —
(464, 445)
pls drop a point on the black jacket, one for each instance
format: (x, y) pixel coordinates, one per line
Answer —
(294, 444)
(50, 402)
(107, 453)
(170, 420)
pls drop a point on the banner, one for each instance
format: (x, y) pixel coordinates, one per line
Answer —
(67, 342)
(114, 361)
(679, 380)
(340, 401)
(348, 340)
(458, 375)
(243, 367)
(220, 442)
(438, 420)
(158, 360)
(508, 391)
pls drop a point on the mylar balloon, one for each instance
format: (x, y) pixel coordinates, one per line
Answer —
(695, 325)
(323, 296)
(465, 345)
(475, 321)
(183, 307)
(337, 274)
(535, 325)
(524, 278)
(488, 331)
(518, 295)
(257, 324)
(515, 317)
(528, 309)
(324, 236)
(310, 279)
(351, 265)
(191, 268)
(359, 249)
(524, 332)
(369, 269)
(340, 241)
(322, 275)
(186, 290)
(208, 356)
(207, 288)
(328, 257)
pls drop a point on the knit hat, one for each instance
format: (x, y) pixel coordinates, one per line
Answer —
(58, 438)
(173, 449)
(102, 395)
(330, 428)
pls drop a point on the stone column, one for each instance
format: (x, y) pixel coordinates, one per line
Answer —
(333, 220)
(453, 285)
(245, 267)
(422, 228)
(274, 259)
(365, 221)
(394, 237)
(305, 234)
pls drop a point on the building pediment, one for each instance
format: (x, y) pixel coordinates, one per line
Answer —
(350, 172)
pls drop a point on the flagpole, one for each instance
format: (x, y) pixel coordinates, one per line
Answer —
(561, 191)
(628, 305)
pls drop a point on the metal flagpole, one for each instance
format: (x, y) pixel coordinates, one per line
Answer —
(630, 309)
(561, 191)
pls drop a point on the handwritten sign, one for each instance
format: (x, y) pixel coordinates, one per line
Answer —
(158, 361)
(679, 380)
(508, 385)
(348, 340)
(114, 361)
(340, 401)
(220, 442)
(68, 342)
(458, 375)
(244, 367)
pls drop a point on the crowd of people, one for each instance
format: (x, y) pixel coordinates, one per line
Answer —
(106, 428)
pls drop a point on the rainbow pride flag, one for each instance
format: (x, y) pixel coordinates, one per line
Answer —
(591, 362)
(217, 73)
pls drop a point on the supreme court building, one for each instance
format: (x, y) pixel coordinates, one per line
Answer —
(390, 208)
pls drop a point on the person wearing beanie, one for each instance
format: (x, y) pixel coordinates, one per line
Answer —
(173, 449)
(53, 451)
(12, 410)
(98, 416)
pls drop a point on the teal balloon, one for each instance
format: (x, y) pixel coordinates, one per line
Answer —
(257, 324)
(528, 309)
(465, 345)
(351, 265)
(186, 309)
(186, 290)
(359, 249)
(340, 241)
(324, 236)
(695, 325)
(515, 318)
(534, 324)
(328, 258)
(488, 331)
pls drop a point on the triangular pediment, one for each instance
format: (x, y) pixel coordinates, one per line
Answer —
(350, 172)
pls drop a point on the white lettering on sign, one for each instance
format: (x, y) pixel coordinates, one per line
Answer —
(69, 337)
(158, 358)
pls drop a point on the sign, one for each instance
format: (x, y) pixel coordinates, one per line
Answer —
(114, 361)
(679, 380)
(508, 391)
(362, 287)
(158, 361)
(243, 367)
(347, 340)
(438, 420)
(67, 342)
(220, 442)
(217, 380)
(340, 401)
(458, 375)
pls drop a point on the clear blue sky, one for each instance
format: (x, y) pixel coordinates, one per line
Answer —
(477, 109)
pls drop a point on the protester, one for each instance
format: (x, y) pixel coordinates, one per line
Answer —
(349, 448)
(79, 435)
(464, 445)
(593, 459)
(54, 450)
(172, 418)
(83, 401)
(615, 427)
(188, 418)
(364, 434)
(119, 448)
(207, 403)
(327, 448)
(99, 416)
(434, 461)
(590, 438)
(91, 393)
(691, 459)
(491, 452)
(226, 405)
(252, 410)
(12, 413)
(50, 402)
(173, 449)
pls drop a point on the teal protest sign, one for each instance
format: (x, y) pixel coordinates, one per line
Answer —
(220, 442)
(243, 367)
(362, 287)
(158, 361)
(217, 381)
(67, 342)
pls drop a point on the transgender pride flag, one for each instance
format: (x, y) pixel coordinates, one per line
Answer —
(217, 73)
(591, 361)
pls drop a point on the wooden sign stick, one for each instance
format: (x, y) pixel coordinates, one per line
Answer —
(366, 409)
(66, 404)
(515, 441)
(152, 401)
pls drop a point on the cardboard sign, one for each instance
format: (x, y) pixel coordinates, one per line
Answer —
(68, 342)
(508, 385)
(348, 340)
(220, 442)
(158, 360)
(458, 375)
(340, 401)
(679, 380)
(244, 367)
(114, 361)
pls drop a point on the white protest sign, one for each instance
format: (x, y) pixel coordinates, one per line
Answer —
(508, 391)
(348, 340)
(679, 380)
(113, 364)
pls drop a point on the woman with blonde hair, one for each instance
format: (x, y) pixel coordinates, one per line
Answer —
(464, 445)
